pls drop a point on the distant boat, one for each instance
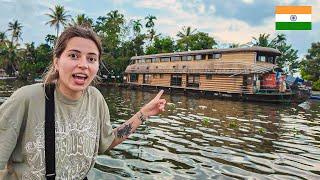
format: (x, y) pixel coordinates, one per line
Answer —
(7, 77)
(38, 80)
(315, 97)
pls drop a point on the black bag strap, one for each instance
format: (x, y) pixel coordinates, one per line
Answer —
(49, 134)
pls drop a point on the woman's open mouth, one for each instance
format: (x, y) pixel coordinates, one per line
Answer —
(79, 78)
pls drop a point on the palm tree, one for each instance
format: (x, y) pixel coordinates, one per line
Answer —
(150, 26)
(152, 35)
(15, 28)
(82, 20)
(3, 37)
(50, 39)
(115, 19)
(234, 45)
(278, 40)
(137, 26)
(150, 23)
(185, 37)
(59, 17)
(8, 54)
(263, 40)
(186, 32)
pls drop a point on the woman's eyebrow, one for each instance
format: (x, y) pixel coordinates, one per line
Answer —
(75, 50)
(90, 53)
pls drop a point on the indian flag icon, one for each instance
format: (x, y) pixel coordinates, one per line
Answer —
(293, 18)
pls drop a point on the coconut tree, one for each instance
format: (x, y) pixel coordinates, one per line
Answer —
(115, 20)
(185, 37)
(82, 20)
(3, 37)
(8, 57)
(16, 31)
(58, 17)
(150, 26)
(137, 26)
(50, 39)
(186, 32)
(150, 21)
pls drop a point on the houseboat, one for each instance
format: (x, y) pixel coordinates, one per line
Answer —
(248, 73)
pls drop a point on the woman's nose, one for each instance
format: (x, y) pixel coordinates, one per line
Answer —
(83, 64)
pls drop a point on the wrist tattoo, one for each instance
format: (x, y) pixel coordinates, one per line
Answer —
(124, 131)
(142, 117)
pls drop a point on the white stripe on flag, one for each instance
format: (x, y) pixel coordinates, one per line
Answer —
(300, 17)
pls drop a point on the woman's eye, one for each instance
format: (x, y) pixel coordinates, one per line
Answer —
(73, 56)
(92, 59)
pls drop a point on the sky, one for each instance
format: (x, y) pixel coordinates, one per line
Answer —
(228, 21)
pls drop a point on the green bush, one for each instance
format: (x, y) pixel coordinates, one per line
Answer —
(316, 85)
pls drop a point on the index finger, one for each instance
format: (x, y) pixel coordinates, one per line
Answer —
(159, 94)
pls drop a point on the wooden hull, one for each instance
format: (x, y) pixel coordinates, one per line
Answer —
(269, 98)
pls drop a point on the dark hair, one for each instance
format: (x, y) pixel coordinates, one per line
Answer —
(61, 43)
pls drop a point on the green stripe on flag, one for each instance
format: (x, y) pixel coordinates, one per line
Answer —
(293, 25)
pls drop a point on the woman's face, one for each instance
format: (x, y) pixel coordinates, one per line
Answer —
(77, 66)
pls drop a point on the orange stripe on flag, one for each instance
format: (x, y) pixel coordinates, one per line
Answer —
(293, 9)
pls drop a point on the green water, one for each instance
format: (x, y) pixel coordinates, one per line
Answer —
(196, 138)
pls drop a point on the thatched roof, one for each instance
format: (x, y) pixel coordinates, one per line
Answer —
(210, 51)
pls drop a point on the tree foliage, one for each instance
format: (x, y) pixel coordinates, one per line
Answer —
(58, 18)
(161, 45)
(310, 65)
(289, 58)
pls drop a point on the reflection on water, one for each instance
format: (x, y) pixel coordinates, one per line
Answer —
(198, 138)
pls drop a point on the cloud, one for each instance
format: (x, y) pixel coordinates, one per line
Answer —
(227, 21)
(248, 1)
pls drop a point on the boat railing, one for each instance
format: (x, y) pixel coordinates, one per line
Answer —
(216, 67)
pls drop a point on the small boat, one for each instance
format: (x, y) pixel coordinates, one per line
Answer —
(315, 97)
(38, 80)
(7, 77)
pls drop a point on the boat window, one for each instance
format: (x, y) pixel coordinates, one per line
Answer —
(165, 59)
(148, 60)
(176, 58)
(146, 78)
(262, 58)
(271, 59)
(209, 76)
(193, 80)
(154, 60)
(155, 75)
(184, 58)
(200, 57)
(176, 80)
(216, 55)
(190, 58)
(134, 77)
(161, 76)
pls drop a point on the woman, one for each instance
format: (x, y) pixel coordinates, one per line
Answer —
(82, 121)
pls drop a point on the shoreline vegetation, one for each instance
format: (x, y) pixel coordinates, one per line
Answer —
(123, 38)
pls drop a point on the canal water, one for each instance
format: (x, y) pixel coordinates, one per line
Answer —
(197, 138)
